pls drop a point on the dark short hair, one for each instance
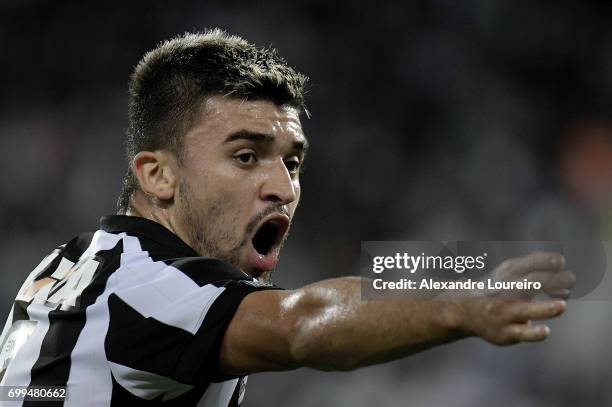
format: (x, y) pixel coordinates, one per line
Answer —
(171, 82)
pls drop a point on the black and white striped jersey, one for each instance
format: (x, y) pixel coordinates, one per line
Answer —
(126, 316)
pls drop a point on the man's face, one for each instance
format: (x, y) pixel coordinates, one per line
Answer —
(239, 181)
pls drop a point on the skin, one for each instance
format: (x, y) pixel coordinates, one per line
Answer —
(221, 190)
(216, 196)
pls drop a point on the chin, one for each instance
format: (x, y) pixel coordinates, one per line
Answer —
(260, 275)
(265, 277)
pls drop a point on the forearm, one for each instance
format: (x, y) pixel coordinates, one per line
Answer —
(334, 329)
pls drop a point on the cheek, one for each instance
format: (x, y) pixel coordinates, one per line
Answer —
(230, 195)
(215, 180)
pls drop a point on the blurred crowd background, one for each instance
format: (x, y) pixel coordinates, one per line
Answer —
(441, 119)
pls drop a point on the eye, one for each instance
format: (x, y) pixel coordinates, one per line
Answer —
(246, 158)
(293, 166)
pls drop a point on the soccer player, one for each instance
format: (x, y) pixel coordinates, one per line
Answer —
(170, 302)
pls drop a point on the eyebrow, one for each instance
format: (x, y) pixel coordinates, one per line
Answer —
(300, 146)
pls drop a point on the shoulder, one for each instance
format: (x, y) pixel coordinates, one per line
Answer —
(205, 270)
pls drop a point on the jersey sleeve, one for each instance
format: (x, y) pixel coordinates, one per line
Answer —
(168, 321)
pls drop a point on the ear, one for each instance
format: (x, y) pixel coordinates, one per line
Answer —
(156, 175)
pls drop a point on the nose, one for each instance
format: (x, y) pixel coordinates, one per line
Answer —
(278, 185)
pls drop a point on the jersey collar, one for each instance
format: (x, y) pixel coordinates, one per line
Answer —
(137, 226)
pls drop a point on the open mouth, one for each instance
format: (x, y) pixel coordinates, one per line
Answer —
(266, 237)
(266, 243)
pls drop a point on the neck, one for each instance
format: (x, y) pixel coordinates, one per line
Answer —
(144, 207)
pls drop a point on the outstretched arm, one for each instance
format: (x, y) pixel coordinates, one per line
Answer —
(327, 326)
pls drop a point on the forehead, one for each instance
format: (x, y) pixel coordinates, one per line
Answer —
(221, 116)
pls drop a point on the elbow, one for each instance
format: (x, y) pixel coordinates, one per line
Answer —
(300, 311)
(316, 341)
(305, 340)
(321, 335)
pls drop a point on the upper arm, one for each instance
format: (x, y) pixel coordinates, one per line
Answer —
(258, 337)
(281, 330)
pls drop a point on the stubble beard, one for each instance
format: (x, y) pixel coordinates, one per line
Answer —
(205, 231)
